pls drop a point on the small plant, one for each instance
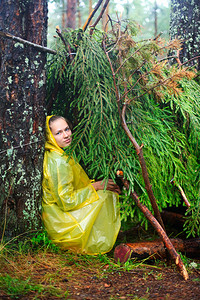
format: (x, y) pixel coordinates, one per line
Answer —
(28, 242)
(41, 240)
(16, 287)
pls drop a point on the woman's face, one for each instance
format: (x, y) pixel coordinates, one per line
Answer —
(61, 132)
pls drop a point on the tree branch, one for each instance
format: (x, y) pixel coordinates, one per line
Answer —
(25, 42)
(91, 15)
(135, 144)
(58, 31)
(160, 231)
(145, 175)
(99, 17)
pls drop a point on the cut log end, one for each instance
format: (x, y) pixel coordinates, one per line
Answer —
(122, 253)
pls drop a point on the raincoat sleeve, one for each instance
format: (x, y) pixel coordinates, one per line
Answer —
(61, 179)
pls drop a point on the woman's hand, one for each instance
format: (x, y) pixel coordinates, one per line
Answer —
(111, 186)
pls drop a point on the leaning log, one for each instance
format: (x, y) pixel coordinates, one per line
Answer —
(169, 246)
(155, 249)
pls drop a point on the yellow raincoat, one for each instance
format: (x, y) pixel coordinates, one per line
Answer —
(75, 215)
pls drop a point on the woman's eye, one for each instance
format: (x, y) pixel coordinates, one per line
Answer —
(57, 133)
(67, 129)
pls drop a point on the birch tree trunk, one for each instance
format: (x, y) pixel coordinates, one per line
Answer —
(185, 25)
(22, 114)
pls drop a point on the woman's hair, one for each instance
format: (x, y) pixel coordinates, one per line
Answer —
(55, 117)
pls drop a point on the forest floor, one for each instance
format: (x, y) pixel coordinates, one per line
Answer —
(41, 271)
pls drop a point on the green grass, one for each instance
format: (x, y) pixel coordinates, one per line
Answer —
(16, 287)
(35, 268)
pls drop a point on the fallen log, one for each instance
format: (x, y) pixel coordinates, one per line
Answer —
(155, 249)
(173, 218)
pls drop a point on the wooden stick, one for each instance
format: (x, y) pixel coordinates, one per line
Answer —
(183, 196)
(25, 42)
(168, 244)
(99, 17)
(181, 192)
(145, 174)
(91, 15)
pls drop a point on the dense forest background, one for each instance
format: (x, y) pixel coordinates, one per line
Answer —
(153, 16)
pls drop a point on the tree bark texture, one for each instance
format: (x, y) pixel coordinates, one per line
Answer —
(22, 114)
(64, 15)
(185, 25)
(105, 18)
(71, 14)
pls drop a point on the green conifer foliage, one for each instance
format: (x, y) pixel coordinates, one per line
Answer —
(162, 113)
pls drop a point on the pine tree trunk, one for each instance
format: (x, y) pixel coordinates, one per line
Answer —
(90, 10)
(185, 25)
(79, 14)
(64, 14)
(22, 114)
(71, 14)
(155, 18)
(105, 18)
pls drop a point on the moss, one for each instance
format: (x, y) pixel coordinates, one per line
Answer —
(36, 63)
(41, 83)
(10, 152)
(19, 45)
(27, 61)
(10, 79)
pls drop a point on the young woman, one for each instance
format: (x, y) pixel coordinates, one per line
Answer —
(78, 214)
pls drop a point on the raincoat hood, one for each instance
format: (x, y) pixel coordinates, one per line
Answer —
(50, 144)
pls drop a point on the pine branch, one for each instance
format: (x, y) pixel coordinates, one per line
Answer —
(25, 42)
(160, 83)
(138, 149)
(127, 59)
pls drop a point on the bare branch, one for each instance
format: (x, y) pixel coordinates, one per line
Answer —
(99, 17)
(21, 146)
(25, 42)
(91, 15)
(58, 31)
(145, 175)
(186, 62)
(167, 58)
